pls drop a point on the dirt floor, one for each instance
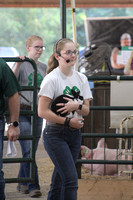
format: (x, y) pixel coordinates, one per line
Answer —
(90, 187)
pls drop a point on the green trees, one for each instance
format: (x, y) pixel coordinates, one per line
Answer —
(18, 23)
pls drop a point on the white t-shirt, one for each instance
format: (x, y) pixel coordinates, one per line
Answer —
(56, 83)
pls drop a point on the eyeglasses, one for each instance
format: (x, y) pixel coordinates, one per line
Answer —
(69, 52)
(39, 47)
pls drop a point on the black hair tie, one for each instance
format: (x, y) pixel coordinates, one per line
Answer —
(67, 121)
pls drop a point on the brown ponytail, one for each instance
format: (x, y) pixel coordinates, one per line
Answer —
(52, 63)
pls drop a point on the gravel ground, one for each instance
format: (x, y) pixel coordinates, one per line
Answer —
(90, 187)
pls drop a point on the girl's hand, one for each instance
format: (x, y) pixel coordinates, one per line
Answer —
(19, 63)
(21, 57)
(76, 123)
(68, 107)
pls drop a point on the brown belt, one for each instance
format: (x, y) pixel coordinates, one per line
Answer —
(26, 107)
(60, 126)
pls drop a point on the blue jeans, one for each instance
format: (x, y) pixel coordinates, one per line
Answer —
(26, 148)
(63, 147)
(2, 181)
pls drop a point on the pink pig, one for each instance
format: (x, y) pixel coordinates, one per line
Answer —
(102, 153)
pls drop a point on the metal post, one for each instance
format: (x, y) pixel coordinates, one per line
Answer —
(63, 18)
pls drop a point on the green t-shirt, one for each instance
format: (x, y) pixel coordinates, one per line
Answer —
(8, 84)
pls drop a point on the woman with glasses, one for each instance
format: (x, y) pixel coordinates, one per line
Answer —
(24, 73)
(64, 98)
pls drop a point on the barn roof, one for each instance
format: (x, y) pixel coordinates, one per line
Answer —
(56, 3)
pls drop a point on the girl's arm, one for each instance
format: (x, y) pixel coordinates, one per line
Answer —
(81, 109)
(17, 66)
(45, 113)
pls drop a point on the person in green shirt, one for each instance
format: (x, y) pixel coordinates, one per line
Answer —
(9, 88)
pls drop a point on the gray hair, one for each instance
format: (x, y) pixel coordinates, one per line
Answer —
(125, 36)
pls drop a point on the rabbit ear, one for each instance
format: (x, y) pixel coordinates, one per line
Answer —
(101, 144)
